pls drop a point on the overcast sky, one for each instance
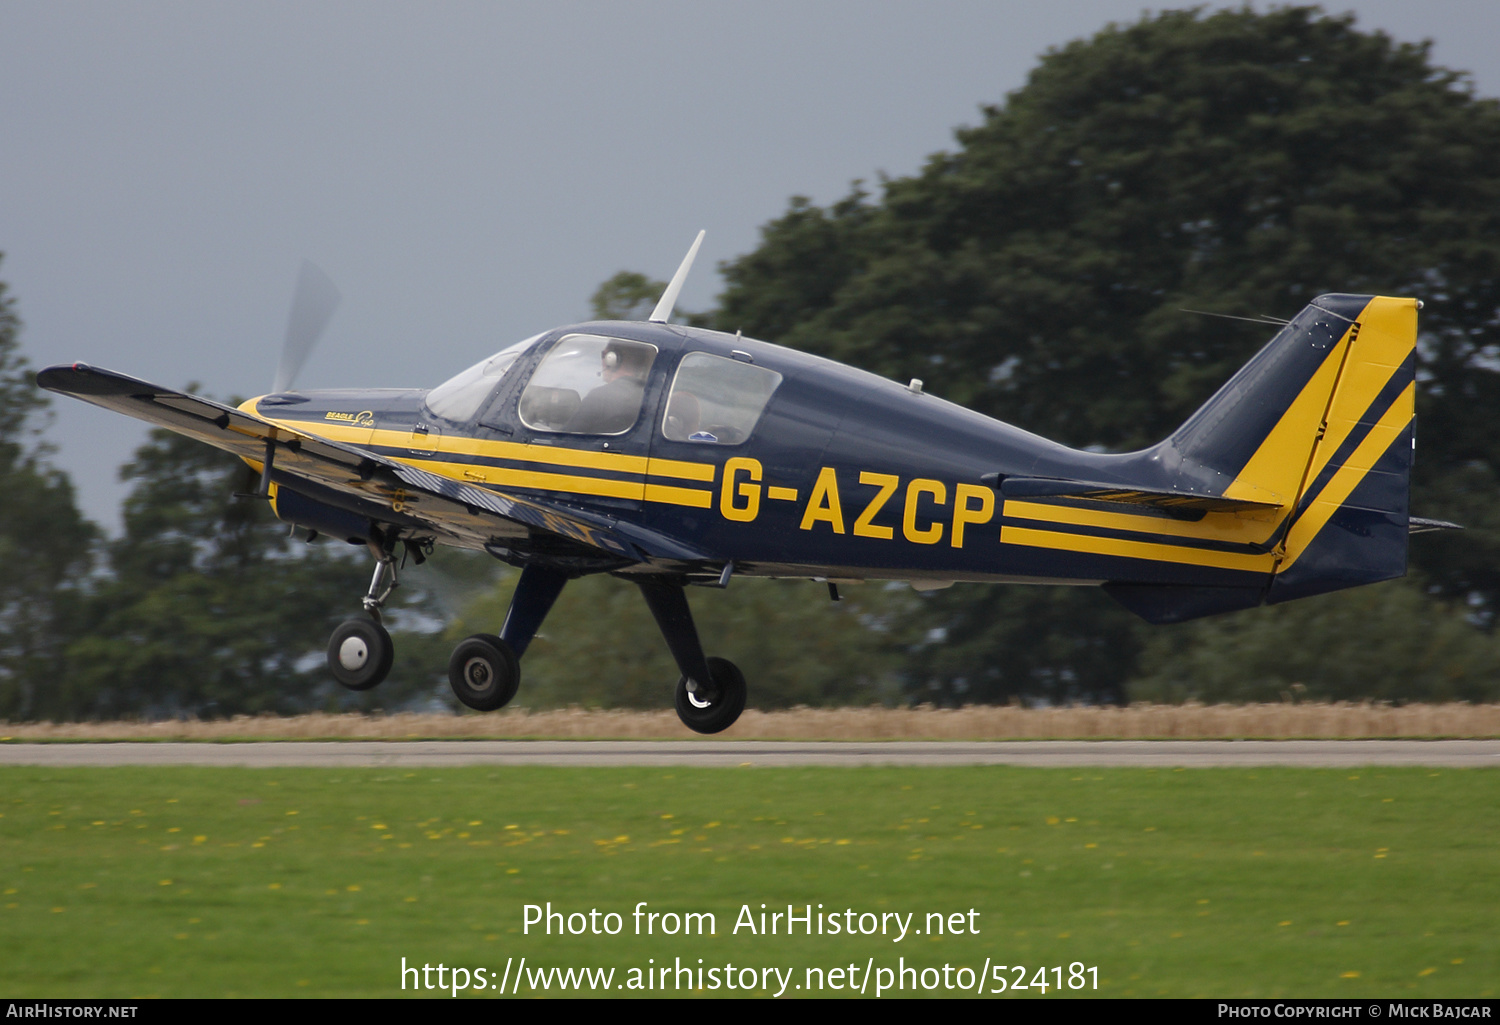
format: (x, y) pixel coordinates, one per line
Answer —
(467, 173)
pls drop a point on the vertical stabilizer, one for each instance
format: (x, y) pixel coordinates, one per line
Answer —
(1319, 424)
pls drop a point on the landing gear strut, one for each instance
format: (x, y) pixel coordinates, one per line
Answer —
(485, 670)
(711, 692)
(384, 581)
(360, 652)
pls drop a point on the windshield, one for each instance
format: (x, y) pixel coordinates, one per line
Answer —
(460, 397)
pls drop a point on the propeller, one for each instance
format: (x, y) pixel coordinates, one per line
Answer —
(313, 304)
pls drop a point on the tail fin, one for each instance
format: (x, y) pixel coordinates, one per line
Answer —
(1320, 423)
(1351, 521)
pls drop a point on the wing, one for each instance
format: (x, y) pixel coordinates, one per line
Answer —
(386, 489)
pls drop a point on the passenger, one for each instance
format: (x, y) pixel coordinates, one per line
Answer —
(683, 415)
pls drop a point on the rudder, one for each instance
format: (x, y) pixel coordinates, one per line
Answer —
(1351, 523)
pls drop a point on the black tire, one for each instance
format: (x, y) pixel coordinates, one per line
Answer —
(716, 712)
(484, 672)
(360, 653)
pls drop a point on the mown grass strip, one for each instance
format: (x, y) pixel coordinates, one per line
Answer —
(1267, 882)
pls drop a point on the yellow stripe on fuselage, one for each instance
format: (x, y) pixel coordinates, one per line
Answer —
(535, 480)
(1128, 549)
(669, 495)
(680, 469)
(1218, 526)
(638, 467)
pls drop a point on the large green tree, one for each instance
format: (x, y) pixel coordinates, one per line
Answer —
(44, 540)
(1235, 161)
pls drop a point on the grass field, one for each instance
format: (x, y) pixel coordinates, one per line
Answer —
(1270, 882)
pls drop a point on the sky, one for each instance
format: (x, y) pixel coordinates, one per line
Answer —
(467, 173)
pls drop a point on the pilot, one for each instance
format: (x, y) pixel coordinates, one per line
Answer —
(612, 407)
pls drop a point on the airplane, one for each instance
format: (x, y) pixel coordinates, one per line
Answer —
(672, 456)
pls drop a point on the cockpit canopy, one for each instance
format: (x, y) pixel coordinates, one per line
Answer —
(596, 384)
(462, 396)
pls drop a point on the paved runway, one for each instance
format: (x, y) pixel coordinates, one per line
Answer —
(706, 753)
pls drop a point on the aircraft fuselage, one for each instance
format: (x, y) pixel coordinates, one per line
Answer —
(846, 476)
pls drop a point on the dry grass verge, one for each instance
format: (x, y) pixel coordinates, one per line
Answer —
(1142, 721)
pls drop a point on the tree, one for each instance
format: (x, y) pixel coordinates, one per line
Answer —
(44, 540)
(629, 295)
(1231, 161)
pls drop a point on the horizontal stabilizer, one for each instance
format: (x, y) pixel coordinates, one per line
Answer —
(1167, 501)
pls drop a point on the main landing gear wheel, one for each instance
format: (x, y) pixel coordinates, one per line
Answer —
(713, 710)
(484, 672)
(360, 653)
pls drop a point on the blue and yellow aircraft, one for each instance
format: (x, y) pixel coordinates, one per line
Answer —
(670, 456)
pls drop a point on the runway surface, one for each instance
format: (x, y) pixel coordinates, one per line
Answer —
(719, 753)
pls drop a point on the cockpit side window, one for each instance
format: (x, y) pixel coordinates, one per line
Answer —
(716, 401)
(588, 384)
(461, 397)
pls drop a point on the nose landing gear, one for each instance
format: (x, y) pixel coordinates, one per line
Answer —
(360, 652)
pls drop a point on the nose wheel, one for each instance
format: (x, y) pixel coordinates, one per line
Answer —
(714, 708)
(484, 672)
(360, 653)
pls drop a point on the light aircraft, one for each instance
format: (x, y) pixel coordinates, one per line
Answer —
(670, 456)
